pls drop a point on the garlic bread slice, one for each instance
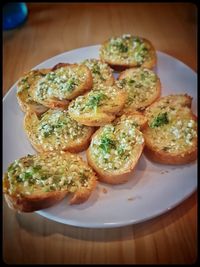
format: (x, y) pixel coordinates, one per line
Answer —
(25, 101)
(126, 51)
(39, 181)
(115, 149)
(99, 106)
(56, 130)
(143, 88)
(171, 132)
(63, 83)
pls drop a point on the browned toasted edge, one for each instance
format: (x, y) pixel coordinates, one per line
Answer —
(35, 106)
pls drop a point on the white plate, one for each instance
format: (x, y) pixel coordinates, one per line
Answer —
(152, 190)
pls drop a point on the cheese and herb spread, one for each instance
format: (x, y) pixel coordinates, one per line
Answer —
(60, 83)
(171, 126)
(56, 130)
(103, 97)
(114, 147)
(141, 85)
(47, 172)
(101, 72)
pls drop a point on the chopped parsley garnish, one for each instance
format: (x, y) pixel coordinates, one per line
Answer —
(96, 69)
(70, 84)
(120, 46)
(140, 52)
(47, 130)
(160, 120)
(107, 144)
(131, 82)
(94, 100)
(120, 151)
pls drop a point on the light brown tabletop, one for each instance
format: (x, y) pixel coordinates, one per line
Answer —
(52, 29)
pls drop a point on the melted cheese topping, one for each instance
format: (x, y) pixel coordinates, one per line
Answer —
(48, 172)
(114, 146)
(141, 86)
(126, 49)
(61, 82)
(56, 130)
(101, 72)
(104, 96)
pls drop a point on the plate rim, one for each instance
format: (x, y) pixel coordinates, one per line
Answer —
(120, 223)
(114, 224)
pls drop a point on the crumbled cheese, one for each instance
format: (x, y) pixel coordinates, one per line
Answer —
(140, 86)
(126, 49)
(55, 171)
(115, 145)
(56, 128)
(60, 83)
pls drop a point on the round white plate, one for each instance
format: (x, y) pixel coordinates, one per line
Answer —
(153, 188)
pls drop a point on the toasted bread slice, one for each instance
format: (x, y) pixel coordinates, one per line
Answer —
(25, 101)
(63, 83)
(115, 149)
(143, 88)
(128, 51)
(171, 133)
(99, 106)
(56, 130)
(101, 72)
(39, 181)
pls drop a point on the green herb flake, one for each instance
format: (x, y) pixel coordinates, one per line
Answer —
(70, 84)
(107, 144)
(160, 120)
(94, 100)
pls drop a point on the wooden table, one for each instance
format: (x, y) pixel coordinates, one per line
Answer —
(55, 28)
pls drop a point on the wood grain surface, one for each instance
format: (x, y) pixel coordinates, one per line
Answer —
(55, 28)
